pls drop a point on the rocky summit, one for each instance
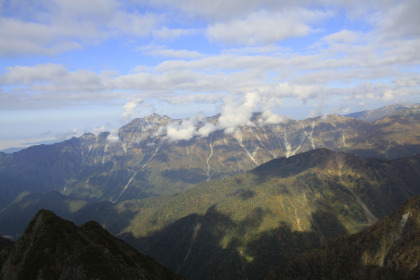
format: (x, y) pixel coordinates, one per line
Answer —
(53, 248)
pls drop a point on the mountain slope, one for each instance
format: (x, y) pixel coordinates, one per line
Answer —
(52, 248)
(387, 111)
(242, 226)
(145, 162)
(390, 249)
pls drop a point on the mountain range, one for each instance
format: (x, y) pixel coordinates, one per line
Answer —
(226, 204)
(143, 160)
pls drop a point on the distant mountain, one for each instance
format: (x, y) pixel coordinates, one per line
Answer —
(390, 249)
(240, 227)
(383, 112)
(143, 161)
(52, 248)
(11, 150)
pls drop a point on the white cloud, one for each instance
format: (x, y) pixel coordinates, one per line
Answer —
(72, 133)
(400, 21)
(52, 26)
(55, 78)
(265, 27)
(236, 113)
(174, 53)
(413, 81)
(206, 130)
(130, 107)
(166, 33)
(343, 36)
(269, 72)
(32, 74)
(183, 130)
(113, 136)
(269, 117)
(98, 130)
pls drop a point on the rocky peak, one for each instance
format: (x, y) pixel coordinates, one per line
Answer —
(52, 248)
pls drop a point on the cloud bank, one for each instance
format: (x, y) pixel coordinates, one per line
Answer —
(185, 57)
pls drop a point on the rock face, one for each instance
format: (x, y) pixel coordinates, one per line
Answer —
(390, 249)
(152, 156)
(52, 248)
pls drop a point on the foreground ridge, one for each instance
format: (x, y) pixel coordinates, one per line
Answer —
(53, 248)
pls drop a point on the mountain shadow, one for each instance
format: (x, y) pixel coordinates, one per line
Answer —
(191, 175)
(16, 216)
(389, 249)
(213, 246)
(104, 213)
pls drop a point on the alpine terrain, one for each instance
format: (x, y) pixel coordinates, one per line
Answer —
(208, 202)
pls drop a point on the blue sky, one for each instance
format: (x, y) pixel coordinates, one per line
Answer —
(72, 66)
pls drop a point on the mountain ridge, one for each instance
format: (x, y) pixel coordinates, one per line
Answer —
(141, 161)
(383, 112)
(388, 249)
(53, 248)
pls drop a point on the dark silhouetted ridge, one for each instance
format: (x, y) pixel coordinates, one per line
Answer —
(53, 248)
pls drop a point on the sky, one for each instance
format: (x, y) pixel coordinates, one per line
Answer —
(68, 67)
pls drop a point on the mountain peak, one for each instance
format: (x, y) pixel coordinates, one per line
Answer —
(154, 117)
(53, 248)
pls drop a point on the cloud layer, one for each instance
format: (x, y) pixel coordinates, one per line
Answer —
(235, 57)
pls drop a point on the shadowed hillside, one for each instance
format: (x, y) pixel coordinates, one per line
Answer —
(245, 225)
(390, 249)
